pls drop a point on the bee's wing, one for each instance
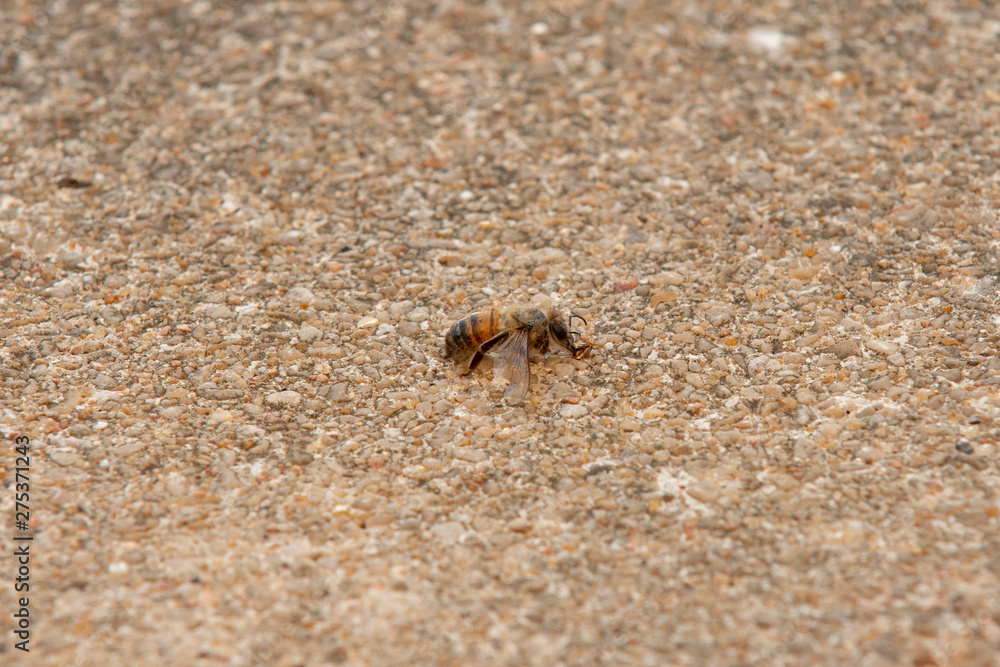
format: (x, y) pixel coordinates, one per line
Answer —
(510, 361)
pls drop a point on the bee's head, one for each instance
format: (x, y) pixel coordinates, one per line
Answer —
(558, 329)
(562, 334)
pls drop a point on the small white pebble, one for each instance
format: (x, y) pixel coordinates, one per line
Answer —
(449, 531)
(220, 415)
(766, 39)
(882, 347)
(573, 411)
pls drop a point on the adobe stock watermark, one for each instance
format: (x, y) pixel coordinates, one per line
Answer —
(21, 549)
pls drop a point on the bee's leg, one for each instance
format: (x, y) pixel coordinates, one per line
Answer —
(476, 358)
(484, 348)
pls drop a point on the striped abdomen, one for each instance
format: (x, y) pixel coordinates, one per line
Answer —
(465, 336)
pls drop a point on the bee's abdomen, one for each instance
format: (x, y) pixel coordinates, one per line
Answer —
(466, 335)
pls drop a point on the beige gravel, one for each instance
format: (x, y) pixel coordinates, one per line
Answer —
(232, 235)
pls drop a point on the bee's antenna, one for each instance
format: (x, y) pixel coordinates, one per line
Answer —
(579, 318)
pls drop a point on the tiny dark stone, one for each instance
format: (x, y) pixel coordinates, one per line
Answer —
(597, 469)
(67, 182)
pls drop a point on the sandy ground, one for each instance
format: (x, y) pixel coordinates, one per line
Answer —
(232, 235)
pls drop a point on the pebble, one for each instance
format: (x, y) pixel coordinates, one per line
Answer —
(719, 316)
(667, 278)
(662, 296)
(309, 333)
(431, 463)
(442, 436)
(769, 40)
(896, 359)
(400, 308)
(379, 519)
(696, 380)
(573, 411)
(705, 491)
(549, 256)
(250, 431)
(299, 296)
(173, 413)
(175, 484)
(880, 383)
(845, 348)
(625, 286)
(449, 531)
(869, 455)
(67, 459)
(630, 425)
(469, 454)
(339, 393)
(77, 443)
(284, 399)
(220, 394)
(218, 312)
(418, 315)
(220, 416)
(882, 347)
(128, 449)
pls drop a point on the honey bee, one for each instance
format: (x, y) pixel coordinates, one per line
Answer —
(510, 335)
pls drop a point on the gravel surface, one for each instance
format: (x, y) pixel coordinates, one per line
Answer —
(233, 234)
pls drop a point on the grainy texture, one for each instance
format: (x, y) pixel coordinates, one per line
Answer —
(232, 235)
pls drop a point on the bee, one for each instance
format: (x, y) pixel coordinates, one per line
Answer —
(510, 335)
